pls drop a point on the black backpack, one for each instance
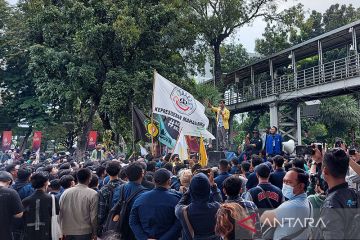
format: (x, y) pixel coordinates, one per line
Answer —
(118, 217)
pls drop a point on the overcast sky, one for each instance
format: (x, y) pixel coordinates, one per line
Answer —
(248, 34)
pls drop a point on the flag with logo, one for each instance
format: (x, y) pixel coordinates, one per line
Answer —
(6, 140)
(172, 101)
(142, 126)
(181, 148)
(36, 141)
(168, 131)
(203, 159)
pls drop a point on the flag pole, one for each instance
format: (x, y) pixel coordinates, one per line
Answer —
(132, 126)
(152, 117)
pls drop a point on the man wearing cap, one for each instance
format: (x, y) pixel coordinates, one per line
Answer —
(153, 213)
(255, 143)
(10, 205)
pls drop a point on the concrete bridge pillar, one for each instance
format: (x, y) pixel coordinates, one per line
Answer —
(274, 119)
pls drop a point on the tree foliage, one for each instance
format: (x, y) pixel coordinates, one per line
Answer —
(216, 20)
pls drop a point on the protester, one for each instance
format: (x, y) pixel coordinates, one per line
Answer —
(13, 170)
(101, 173)
(339, 223)
(232, 187)
(54, 187)
(296, 207)
(78, 209)
(10, 205)
(276, 177)
(252, 179)
(106, 192)
(224, 173)
(185, 176)
(22, 184)
(98, 154)
(66, 181)
(153, 213)
(273, 143)
(226, 222)
(129, 191)
(222, 123)
(197, 215)
(245, 169)
(264, 195)
(38, 209)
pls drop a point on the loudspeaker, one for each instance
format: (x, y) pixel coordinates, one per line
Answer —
(288, 146)
(214, 157)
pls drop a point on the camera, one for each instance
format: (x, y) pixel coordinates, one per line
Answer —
(310, 150)
(352, 152)
(338, 142)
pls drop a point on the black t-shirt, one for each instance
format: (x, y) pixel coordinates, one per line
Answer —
(10, 205)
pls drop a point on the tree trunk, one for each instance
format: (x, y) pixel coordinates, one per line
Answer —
(217, 64)
(105, 121)
(86, 126)
(24, 141)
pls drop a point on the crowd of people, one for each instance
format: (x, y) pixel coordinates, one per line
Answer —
(247, 197)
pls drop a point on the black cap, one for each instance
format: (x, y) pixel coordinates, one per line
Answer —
(5, 176)
(161, 176)
(263, 170)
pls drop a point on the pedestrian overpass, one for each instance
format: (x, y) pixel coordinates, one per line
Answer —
(297, 74)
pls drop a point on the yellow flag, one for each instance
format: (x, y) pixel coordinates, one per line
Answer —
(202, 153)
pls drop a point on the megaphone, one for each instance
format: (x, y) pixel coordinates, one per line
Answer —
(288, 146)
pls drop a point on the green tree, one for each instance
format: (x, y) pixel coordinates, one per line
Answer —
(216, 20)
(233, 56)
(340, 115)
(98, 56)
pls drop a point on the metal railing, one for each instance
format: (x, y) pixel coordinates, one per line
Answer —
(336, 70)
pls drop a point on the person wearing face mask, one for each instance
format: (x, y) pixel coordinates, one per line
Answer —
(296, 209)
(10, 205)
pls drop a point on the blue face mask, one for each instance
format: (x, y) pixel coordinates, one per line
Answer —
(288, 191)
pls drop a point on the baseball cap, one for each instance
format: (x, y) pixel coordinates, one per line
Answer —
(161, 176)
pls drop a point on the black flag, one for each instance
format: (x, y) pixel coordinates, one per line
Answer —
(142, 126)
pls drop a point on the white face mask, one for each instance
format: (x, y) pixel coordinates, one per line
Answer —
(288, 191)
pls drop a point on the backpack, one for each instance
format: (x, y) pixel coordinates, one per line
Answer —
(118, 217)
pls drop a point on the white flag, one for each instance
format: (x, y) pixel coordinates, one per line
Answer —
(172, 101)
(181, 147)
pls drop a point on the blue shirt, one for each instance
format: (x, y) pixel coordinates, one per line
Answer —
(294, 210)
(219, 181)
(276, 177)
(252, 181)
(153, 215)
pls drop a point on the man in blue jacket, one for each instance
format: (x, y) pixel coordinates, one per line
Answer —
(273, 143)
(153, 213)
(22, 184)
